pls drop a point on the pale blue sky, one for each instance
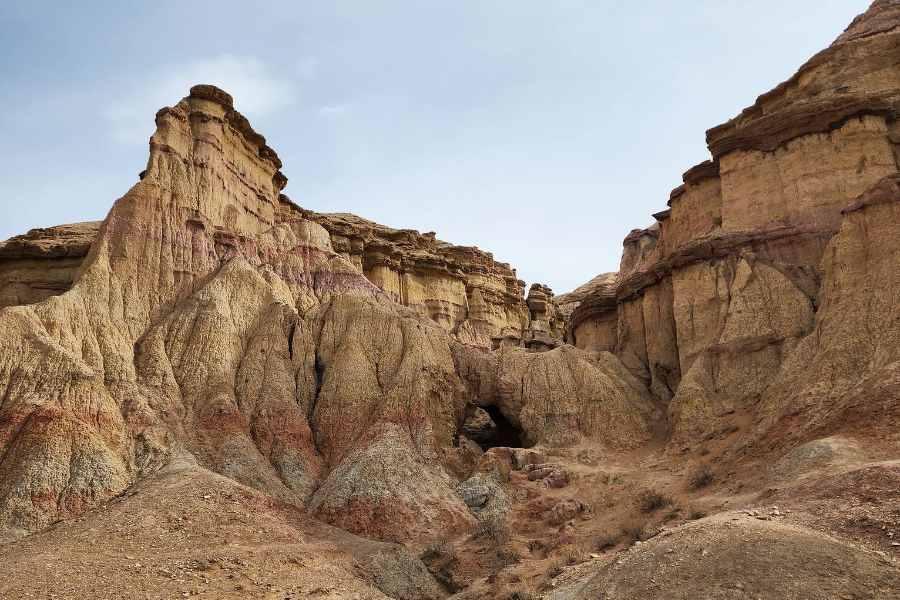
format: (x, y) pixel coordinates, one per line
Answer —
(541, 131)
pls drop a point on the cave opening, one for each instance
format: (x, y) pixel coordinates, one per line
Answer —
(507, 436)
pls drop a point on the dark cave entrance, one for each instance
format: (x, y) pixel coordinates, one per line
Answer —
(507, 436)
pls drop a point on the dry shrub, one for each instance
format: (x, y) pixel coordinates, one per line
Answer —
(635, 530)
(440, 549)
(696, 513)
(576, 555)
(607, 540)
(653, 500)
(555, 569)
(672, 514)
(701, 477)
(442, 560)
(494, 529)
(501, 559)
(518, 593)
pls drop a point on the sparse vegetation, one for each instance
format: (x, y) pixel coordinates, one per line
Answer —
(696, 513)
(502, 559)
(442, 561)
(555, 569)
(607, 540)
(672, 514)
(635, 530)
(611, 478)
(494, 529)
(520, 593)
(700, 478)
(653, 500)
(576, 555)
(439, 549)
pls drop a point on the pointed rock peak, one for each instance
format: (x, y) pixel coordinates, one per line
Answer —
(216, 103)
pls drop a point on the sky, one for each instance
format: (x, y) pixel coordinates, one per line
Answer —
(542, 131)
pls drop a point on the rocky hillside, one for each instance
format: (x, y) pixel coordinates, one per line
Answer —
(299, 404)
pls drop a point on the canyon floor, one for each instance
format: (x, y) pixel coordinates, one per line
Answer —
(642, 525)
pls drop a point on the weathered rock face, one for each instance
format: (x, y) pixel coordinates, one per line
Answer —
(712, 299)
(562, 396)
(474, 298)
(567, 303)
(845, 372)
(546, 327)
(464, 290)
(595, 327)
(366, 376)
(212, 315)
(76, 427)
(186, 324)
(43, 262)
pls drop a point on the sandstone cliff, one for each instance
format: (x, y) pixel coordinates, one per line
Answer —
(308, 367)
(43, 262)
(212, 314)
(713, 298)
(841, 379)
(464, 290)
(474, 298)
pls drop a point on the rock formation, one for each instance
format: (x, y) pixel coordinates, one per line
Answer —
(713, 299)
(562, 396)
(844, 371)
(464, 290)
(316, 368)
(43, 262)
(474, 298)
(214, 315)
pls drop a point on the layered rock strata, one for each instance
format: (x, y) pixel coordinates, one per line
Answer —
(476, 299)
(842, 378)
(43, 262)
(714, 298)
(340, 367)
(214, 317)
(186, 325)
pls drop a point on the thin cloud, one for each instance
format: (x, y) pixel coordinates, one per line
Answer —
(328, 111)
(256, 88)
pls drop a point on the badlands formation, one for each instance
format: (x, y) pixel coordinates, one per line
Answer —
(215, 392)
